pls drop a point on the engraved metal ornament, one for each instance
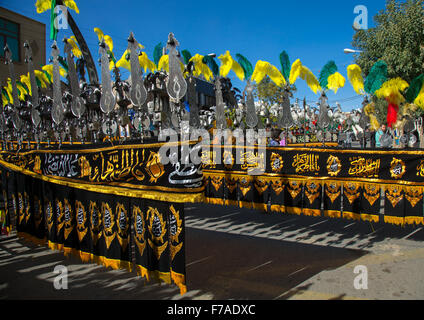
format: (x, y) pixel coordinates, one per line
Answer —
(29, 61)
(409, 125)
(194, 108)
(286, 120)
(58, 113)
(109, 127)
(78, 106)
(89, 62)
(108, 99)
(251, 116)
(364, 120)
(386, 141)
(9, 62)
(138, 92)
(176, 86)
(323, 118)
(221, 122)
(35, 114)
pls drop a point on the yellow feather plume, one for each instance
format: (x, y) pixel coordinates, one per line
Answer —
(4, 99)
(370, 112)
(146, 63)
(164, 63)
(49, 69)
(71, 5)
(21, 91)
(391, 90)
(336, 81)
(375, 125)
(264, 69)
(123, 62)
(354, 74)
(99, 33)
(44, 81)
(295, 71)
(109, 42)
(75, 49)
(25, 80)
(228, 64)
(419, 100)
(311, 80)
(200, 68)
(44, 5)
(9, 92)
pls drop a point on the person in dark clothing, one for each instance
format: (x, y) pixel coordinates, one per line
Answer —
(275, 138)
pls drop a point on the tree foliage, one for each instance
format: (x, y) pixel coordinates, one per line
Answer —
(269, 93)
(397, 38)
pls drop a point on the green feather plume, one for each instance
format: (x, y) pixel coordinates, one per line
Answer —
(186, 56)
(285, 65)
(414, 89)
(211, 63)
(376, 77)
(245, 65)
(329, 69)
(157, 53)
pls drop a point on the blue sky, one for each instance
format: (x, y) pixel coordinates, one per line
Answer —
(313, 31)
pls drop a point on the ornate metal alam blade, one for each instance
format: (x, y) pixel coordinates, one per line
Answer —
(108, 100)
(323, 118)
(286, 118)
(9, 62)
(251, 116)
(78, 106)
(28, 60)
(176, 86)
(17, 122)
(91, 67)
(221, 122)
(58, 113)
(194, 109)
(138, 92)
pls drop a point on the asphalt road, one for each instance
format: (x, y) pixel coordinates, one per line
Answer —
(240, 254)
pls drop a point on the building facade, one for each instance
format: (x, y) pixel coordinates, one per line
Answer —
(15, 29)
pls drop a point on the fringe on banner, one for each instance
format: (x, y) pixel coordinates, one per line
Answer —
(399, 221)
(167, 277)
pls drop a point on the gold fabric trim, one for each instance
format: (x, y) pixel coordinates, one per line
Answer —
(333, 191)
(261, 186)
(294, 188)
(394, 195)
(371, 192)
(168, 195)
(414, 195)
(312, 191)
(332, 214)
(312, 212)
(351, 191)
(174, 238)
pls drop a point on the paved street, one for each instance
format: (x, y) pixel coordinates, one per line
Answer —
(234, 253)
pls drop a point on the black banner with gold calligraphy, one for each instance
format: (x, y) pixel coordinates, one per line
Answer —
(343, 183)
(100, 204)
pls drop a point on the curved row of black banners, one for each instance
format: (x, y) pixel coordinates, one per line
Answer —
(104, 203)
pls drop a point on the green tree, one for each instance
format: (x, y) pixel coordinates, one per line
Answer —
(269, 93)
(397, 38)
